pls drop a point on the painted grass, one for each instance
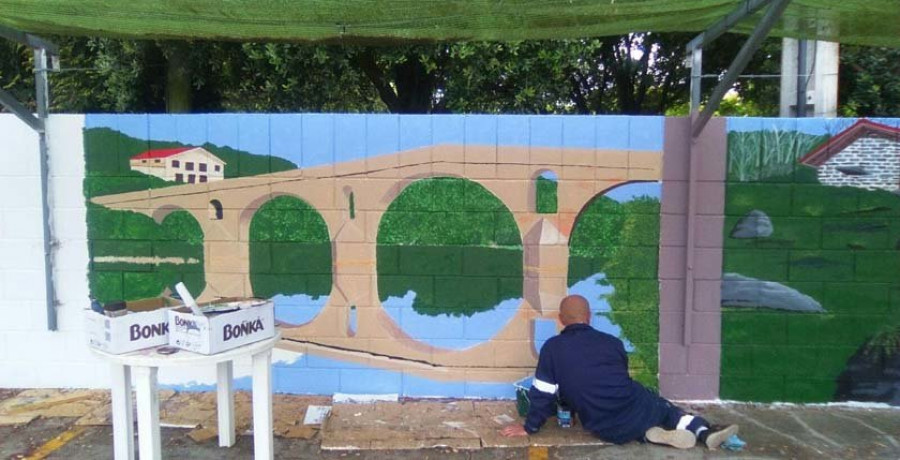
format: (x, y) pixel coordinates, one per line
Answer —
(761, 155)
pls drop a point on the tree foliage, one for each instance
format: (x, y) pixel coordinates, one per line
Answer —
(639, 73)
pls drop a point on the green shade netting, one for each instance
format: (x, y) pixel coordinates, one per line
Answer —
(868, 22)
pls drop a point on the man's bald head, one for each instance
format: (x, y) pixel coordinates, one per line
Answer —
(574, 309)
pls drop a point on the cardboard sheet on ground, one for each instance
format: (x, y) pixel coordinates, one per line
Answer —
(316, 415)
(455, 424)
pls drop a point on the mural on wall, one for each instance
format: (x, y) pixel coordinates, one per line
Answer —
(419, 255)
(811, 277)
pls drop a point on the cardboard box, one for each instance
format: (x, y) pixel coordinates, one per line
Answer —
(146, 325)
(217, 332)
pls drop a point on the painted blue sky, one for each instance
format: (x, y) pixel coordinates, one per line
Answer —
(316, 139)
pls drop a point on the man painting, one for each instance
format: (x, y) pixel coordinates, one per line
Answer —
(588, 369)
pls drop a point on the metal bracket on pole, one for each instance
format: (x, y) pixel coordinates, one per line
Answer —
(802, 76)
(13, 105)
(773, 14)
(43, 50)
(747, 8)
(32, 41)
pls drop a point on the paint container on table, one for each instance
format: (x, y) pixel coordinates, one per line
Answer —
(563, 415)
(522, 401)
(115, 309)
(96, 306)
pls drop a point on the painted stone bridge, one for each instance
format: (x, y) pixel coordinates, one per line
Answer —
(224, 210)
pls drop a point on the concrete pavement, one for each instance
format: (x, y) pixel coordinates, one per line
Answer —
(771, 431)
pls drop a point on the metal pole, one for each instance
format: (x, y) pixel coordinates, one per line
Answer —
(801, 78)
(42, 98)
(773, 14)
(696, 77)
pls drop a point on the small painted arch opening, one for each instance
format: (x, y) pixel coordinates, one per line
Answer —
(545, 186)
(215, 210)
(351, 321)
(351, 201)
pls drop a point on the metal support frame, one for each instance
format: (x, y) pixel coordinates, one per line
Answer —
(699, 120)
(25, 38)
(695, 47)
(773, 14)
(43, 49)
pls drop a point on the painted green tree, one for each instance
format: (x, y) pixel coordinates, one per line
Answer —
(451, 242)
(290, 251)
(133, 257)
(621, 240)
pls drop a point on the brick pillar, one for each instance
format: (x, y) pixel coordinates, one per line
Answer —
(689, 361)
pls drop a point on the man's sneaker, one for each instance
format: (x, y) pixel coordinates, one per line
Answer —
(717, 435)
(682, 439)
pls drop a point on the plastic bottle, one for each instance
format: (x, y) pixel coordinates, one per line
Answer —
(563, 415)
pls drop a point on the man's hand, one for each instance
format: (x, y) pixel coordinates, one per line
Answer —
(513, 430)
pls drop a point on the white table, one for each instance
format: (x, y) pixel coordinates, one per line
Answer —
(141, 367)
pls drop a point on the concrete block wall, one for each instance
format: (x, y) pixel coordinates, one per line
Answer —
(823, 330)
(589, 155)
(32, 356)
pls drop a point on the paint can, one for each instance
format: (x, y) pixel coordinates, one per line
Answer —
(563, 415)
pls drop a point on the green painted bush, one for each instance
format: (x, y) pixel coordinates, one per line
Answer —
(454, 244)
(290, 250)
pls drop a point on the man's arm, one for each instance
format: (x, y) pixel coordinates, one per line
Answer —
(543, 393)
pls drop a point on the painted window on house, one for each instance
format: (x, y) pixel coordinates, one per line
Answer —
(189, 166)
(202, 167)
(179, 177)
(176, 163)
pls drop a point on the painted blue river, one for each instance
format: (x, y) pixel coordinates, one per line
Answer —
(447, 331)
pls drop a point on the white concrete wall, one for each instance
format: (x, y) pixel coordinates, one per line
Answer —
(30, 355)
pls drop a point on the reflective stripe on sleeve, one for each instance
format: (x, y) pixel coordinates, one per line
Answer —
(544, 386)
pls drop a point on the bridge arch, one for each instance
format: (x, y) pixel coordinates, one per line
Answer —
(160, 213)
(613, 262)
(290, 258)
(448, 251)
(249, 211)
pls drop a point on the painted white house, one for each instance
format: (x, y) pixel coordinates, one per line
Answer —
(865, 155)
(183, 164)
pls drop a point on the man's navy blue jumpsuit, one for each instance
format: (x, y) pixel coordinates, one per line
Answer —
(589, 369)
